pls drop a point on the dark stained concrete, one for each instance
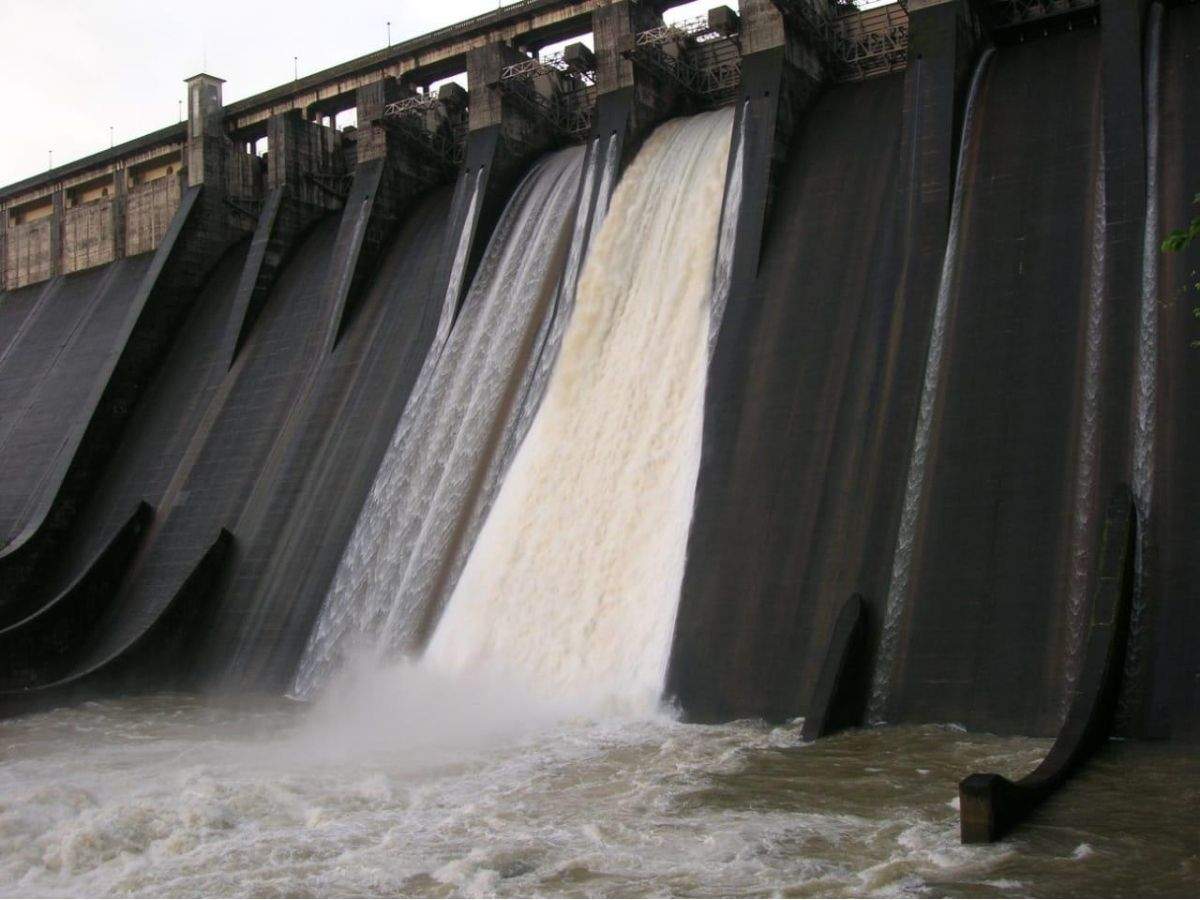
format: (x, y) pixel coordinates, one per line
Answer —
(983, 636)
(803, 363)
(1172, 685)
(210, 483)
(305, 502)
(991, 805)
(165, 420)
(48, 383)
(16, 308)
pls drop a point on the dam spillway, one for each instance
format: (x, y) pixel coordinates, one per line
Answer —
(452, 446)
(564, 439)
(574, 579)
(333, 373)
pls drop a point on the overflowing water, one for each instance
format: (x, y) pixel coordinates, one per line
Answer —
(727, 243)
(170, 797)
(1087, 460)
(914, 489)
(1145, 401)
(572, 586)
(449, 451)
(458, 266)
(593, 206)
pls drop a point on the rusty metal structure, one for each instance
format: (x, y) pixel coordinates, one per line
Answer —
(431, 125)
(871, 42)
(556, 89)
(697, 55)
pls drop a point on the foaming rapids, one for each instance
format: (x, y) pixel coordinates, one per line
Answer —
(573, 584)
(427, 789)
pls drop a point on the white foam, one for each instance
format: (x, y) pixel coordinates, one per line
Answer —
(573, 583)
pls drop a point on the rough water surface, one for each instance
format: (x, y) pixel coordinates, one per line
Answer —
(446, 790)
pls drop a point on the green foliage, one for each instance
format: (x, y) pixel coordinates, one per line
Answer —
(1180, 239)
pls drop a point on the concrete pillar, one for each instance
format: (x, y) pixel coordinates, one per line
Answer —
(56, 234)
(3, 249)
(205, 135)
(781, 75)
(629, 101)
(118, 213)
(944, 41)
(517, 133)
(293, 201)
(298, 150)
(409, 168)
(520, 134)
(370, 100)
(613, 31)
(484, 65)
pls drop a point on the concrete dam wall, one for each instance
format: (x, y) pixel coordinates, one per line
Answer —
(277, 437)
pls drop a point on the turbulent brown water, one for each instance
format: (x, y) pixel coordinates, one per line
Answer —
(447, 790)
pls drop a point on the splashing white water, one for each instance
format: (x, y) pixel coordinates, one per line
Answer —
(573, 584)
(914, 488)
(170, 796)
(448, 454)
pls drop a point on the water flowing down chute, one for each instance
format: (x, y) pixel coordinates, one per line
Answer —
(454, 441)
(572, 587)
(914, 489)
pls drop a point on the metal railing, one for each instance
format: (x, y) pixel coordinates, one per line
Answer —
(696, 29)
(531, 68)
(417, 104)
(871, 42)
(705, 63)
(853, 44)
(553, 90)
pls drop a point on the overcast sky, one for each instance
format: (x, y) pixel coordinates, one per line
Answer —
(73, 68)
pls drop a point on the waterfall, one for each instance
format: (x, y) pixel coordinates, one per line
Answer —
(1145, 401)
(458, 268)
(730, 212)
(432, 490)
(914, 487)
(612, 161)
(572, 588)
(459, 265)
(592, 205)
(1089, 443)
